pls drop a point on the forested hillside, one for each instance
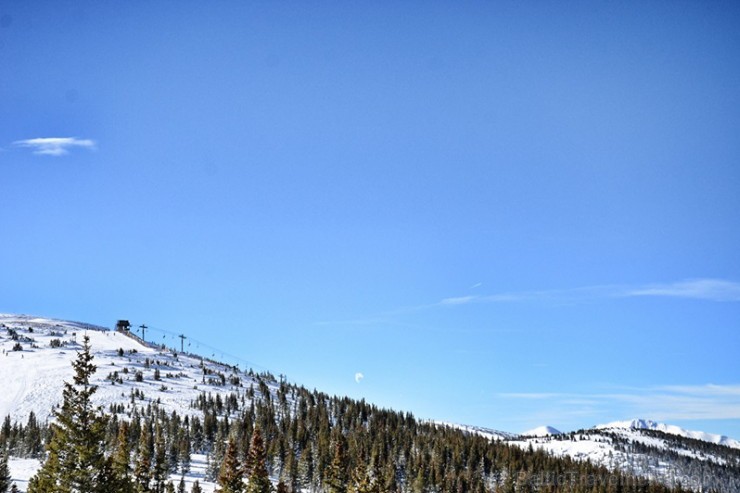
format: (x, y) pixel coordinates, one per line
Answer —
(251, 427)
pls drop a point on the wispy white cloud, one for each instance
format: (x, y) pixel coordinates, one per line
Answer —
(716, 290)
(54, 146)
(702, 289)
(663, 403)
(460, 300)
(358, 377)
(530, 395)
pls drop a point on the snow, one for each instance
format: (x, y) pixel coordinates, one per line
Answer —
(33, 378)
(542, 431)
(646, 424)
(485, 432)
(21, 470)
(33, 381)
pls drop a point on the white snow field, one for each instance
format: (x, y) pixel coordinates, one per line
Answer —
(32, 378)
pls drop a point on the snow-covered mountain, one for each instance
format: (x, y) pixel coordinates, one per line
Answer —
(651, 450)
(489, 433)
(35, 360)
(34, 373)
(542, 431)
(36, 355)
(646, 424)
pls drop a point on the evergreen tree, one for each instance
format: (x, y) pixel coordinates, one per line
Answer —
(160, 461)
(337, 474)
(361, 482)
(258, 477)
(5, 479)
(143, 473)
(32, 440)
(306, 467)
(184, 454)
(76, 461)
(231, 476)
(121, 460)
(196, 487)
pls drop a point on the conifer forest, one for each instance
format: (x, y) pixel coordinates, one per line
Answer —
(289, 440)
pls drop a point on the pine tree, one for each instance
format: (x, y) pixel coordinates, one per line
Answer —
(5, 478)
(76, 461)
(231, 476)
(337, 474)
(361, 482)
(32, 440)
(258, 478)
(184, 454)
(196, 487)
(160, 461)
(306, 467)
(121, 460)
(142, 473)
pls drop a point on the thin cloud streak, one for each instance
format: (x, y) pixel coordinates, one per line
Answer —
(54, 146)
(718, 290)
(663, 403)
(701, 289)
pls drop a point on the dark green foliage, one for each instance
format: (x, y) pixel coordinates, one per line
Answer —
(231, 474)
(32, 443)
(161, 468)
(337, 475)
(196, 487)
(5, 479)
(76, 460)
(142, 470)
(258, 480)
(121, 460)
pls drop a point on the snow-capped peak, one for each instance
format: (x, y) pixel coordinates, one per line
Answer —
(542, 431)
(647, 424)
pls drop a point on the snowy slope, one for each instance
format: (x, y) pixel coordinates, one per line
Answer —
(32, 378)
(542, 431)
(486, 432)
(646, 424)
(649, 453)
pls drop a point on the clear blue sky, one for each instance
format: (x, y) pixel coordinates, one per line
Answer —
(505, 214)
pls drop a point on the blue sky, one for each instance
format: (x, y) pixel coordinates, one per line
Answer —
(504, 214)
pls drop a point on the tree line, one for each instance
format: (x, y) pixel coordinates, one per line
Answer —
(287, 440)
